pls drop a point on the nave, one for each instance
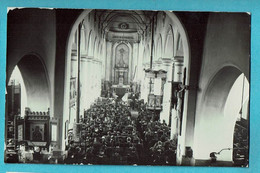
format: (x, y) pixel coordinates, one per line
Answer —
(129, 87)
(110, 134)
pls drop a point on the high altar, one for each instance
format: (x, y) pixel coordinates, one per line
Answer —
(121, 71)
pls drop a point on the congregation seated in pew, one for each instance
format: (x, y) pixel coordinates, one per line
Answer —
(111, 135)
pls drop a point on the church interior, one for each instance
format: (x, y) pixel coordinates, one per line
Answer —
(121, 87)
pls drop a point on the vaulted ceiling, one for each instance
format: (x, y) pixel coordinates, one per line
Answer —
(124, 25)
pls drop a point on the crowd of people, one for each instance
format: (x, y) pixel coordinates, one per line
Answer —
(111, 135)
(156, 136)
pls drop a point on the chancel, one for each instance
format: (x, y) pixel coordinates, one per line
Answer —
(127, 87)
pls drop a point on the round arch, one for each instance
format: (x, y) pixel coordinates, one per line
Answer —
(176, 24)
(67, 68)
(83, 37)
(219, 87)
(219, 128)
(95, 44)
(90, 46)
(180, 29)
(97, 49)
(159, 48)
(169, 43)
(36, 82)
(147, 52)
(185, 41)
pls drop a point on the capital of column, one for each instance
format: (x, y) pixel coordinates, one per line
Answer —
(74, 46)
(167, 61)
(84, 54)
(178, 65)
(73, 52)
(73, 58)
(156, 65)
(178, 59)
(86, 58)
(96, 61)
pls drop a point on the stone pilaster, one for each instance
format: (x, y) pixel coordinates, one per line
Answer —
(145, 85)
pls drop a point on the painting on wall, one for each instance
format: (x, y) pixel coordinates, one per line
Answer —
(37, 132)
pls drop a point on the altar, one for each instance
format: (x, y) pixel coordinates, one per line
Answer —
(120, 90)
(121, 71)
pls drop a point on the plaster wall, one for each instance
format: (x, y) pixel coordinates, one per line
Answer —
(225, 56)
(33, 34)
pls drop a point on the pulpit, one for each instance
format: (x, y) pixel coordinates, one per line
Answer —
(157, 80)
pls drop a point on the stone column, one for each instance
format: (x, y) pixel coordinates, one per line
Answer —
(91, 94)
(73, 74)
(89, 81)
(145, 85)
(178, 69)
(74, 64)
(104, 59)
(166, 104)
(97, 79)
(157, 65)
(134, 62)
(108, 61)
(112, 62)
(84, 83)
(177, 77)
(140, 63)
(100, 67)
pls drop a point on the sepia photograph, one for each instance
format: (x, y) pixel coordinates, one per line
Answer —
(127, 87)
